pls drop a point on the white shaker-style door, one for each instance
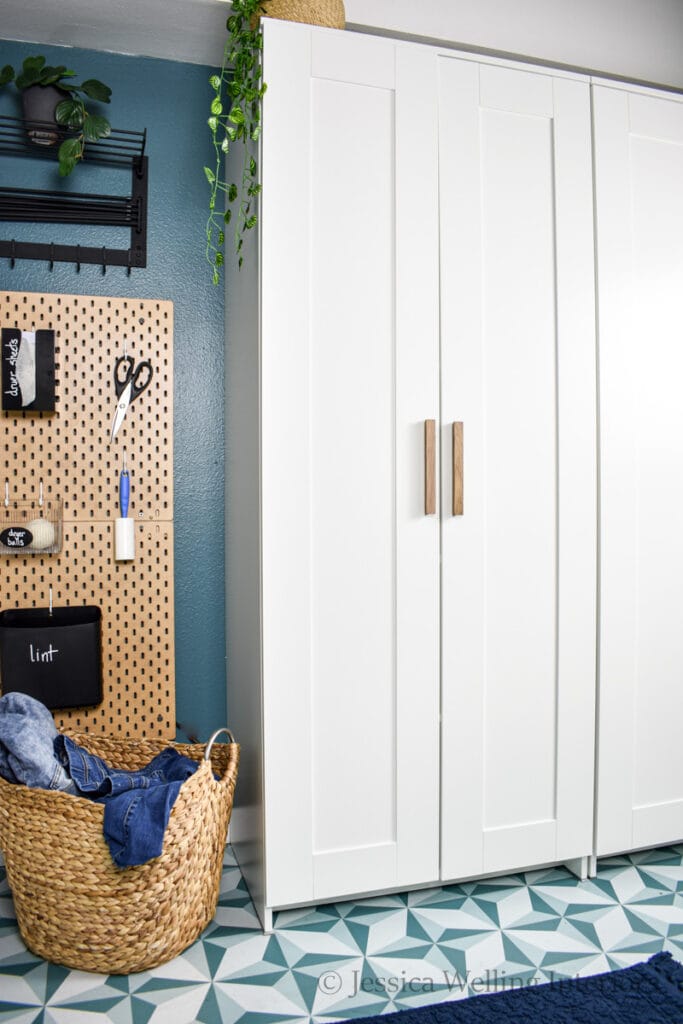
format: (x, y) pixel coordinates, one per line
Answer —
(349, 377)
(639, 196)
(519, 468)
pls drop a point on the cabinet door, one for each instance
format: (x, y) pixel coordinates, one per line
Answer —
(349, 369)
(639, 194)
(519, 565)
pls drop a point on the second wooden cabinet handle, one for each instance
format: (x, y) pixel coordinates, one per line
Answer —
(458, 483)
(430, 467)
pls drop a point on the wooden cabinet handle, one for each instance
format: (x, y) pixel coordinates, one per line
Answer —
(458, 485)
(430, 467)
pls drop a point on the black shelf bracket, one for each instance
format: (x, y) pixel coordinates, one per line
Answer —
(125, 149)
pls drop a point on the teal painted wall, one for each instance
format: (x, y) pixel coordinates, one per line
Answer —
(170, 100)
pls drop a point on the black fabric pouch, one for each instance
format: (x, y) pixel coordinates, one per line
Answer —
(55, 656)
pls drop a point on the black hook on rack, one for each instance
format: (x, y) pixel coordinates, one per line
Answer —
(78, 259)
(12, 258)
(104, 260)
(52, 256)
(128, 270)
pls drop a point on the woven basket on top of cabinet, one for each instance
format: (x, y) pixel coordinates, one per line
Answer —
(74, 906)
(328, 13)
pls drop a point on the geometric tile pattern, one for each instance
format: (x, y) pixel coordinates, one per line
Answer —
(372, 956)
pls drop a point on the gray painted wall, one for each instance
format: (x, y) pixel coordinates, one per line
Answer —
(637, 39)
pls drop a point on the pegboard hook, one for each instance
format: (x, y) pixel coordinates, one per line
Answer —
(12, 258)
(52, 255)
(78, 259)
(104, 259)
(40, 495)
(6, 493)
(50, 599)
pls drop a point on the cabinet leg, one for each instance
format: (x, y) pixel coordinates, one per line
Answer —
(578, 866)
(267, 921)
(592, 865)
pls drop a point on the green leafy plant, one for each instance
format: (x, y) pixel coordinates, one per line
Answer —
(235, 118)
(83, 124)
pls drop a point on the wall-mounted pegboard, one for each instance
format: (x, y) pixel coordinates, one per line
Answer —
(69, 449)
(69, 452)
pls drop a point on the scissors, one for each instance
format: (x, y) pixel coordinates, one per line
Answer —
(128, 387)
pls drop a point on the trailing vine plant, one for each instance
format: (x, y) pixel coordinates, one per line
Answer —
(235, 118)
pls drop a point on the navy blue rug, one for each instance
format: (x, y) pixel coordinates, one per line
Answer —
(647, 993)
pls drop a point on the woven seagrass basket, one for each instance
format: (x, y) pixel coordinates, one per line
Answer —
(75, 907)
(329, 13)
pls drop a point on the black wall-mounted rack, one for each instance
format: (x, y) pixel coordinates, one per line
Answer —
(120, 149)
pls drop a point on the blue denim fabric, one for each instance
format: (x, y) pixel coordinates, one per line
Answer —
(27, 735)
(137, 804)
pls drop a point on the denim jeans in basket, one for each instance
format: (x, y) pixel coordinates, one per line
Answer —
(27, 735)
(137, 804)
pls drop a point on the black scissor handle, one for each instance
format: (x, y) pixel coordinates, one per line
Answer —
(143, 368)
(119, 383)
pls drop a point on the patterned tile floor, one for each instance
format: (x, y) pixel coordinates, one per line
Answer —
(355, 959)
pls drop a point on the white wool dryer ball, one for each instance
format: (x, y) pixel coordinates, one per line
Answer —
(43, 533)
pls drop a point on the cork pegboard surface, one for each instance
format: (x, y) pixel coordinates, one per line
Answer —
(69, 451)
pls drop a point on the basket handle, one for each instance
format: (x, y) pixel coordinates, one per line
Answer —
(207, 752)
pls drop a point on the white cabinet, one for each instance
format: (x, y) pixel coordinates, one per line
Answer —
(414, 690)
(334, 657)
(518, 370)
(639, 222)
(349, 369)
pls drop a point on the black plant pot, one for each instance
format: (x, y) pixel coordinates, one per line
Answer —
(39, 103)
